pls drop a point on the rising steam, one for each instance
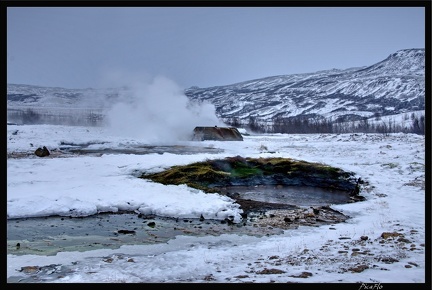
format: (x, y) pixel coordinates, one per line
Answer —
(158, 111)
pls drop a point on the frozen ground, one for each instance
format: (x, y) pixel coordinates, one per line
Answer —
(384, 241)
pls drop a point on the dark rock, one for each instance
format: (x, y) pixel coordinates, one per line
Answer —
(271, 271)
(302, 275)
(386, 235)
(241, 276)
(358, 269)
(30, 269)
(229, 221)
(42, 152)
(126, 232)
(387, 260)
(217, 134)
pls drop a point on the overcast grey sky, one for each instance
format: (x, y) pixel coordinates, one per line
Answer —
(192, 46)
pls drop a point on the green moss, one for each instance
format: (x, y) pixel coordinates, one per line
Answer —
(244, 172)
(196, 175)
(203, 175)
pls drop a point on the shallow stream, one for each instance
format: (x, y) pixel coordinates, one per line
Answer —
(294, 195)
(50, 235)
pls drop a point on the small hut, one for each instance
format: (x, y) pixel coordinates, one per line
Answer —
(216, 133)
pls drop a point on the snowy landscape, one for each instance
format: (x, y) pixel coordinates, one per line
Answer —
(83, 214)
(382, 241)
(282, 145)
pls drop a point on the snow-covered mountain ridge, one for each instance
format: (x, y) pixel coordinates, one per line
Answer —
(393, 86)
(21, 95)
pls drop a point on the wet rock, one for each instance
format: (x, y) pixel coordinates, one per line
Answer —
(228, 221)
(291, 218)
(126, 232)
(108, 260)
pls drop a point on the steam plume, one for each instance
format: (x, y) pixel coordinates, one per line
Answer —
(158, 111)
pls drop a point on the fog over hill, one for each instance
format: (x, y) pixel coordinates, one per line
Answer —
(394, 86)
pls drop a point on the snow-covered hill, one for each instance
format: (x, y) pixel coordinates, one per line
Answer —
(393, 86)
(21, 96)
